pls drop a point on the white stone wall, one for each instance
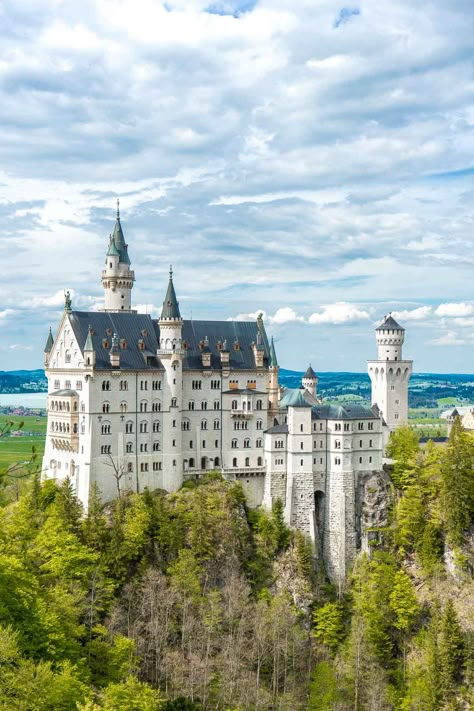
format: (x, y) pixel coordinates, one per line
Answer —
(390, 389)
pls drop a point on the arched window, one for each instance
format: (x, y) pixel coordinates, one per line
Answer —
(173, 402)
(234, 404)
(247, 461)
(106, 407)
(259, 461)
(235, 444)
(246, 443)
(259, 424)
(105, 428)
(128, 427)
(216, 461)
(143, 427)
(156, 426)
(217, 424)
(204, 424)
(191, 463)
(143, 406)
(186, 425)
(204, 405)
(123, 407)
(191, 405)
(156, 446)
(129, 447)
(258, 405)
(259, 442)
(203, 462)
(156, 406)
(234, 462)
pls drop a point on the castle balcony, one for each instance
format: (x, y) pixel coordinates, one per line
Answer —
(240, 413)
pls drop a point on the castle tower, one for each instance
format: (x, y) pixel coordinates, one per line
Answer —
(170, 353)
(310, 381)
(117, 277)
(273, 388)
(390, 374)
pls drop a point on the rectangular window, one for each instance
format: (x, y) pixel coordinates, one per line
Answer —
(370, 426)
(78, 384)
(57, 385)
(396, 415)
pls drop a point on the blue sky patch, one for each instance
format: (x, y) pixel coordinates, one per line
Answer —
(235, 8)
(345, 15)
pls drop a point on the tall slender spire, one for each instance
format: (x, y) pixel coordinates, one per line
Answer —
(49, 343)
(119, 239)
(170, 308)
(273, 357)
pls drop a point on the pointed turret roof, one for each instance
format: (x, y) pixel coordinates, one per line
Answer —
(49, 343)
(273, 356)
(112, 250)
(119, 239)
(88, 345)
(310, 373)
(170, 304)
(389, 323)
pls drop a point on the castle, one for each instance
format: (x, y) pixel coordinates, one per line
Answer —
(135, 403)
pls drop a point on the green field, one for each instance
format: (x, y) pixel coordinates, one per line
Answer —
(18, 450)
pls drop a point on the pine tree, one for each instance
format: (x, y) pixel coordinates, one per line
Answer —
(458, 484)
(281, 531)
(451, 648)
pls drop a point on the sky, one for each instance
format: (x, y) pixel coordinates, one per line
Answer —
(311, 160)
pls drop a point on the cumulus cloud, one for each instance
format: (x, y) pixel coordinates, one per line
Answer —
(417, 314)
(450, 338)
(452, 309)
(339, 313)
(242, 152)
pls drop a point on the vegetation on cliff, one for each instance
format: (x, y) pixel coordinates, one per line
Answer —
(191, 601)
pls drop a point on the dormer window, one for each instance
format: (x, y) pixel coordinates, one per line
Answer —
(237, 346)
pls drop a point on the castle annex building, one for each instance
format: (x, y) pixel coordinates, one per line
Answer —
(135, 403)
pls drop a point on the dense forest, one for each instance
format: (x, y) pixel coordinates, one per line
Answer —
(192, 601)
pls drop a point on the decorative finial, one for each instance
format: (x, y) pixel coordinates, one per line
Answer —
(171, 272)
(118, 209)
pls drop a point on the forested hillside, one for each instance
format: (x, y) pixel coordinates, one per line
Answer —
(191, 601)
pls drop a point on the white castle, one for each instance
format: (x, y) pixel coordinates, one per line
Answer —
(137, 403)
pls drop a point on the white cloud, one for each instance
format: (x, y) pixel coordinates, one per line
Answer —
(453, 309)
(338, 313)
(450, 338)
(418, 314)
(6, 313)
(284, 314)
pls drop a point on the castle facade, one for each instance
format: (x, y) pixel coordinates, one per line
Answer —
(135, 403)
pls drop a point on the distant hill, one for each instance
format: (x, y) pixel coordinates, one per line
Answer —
(23, 381)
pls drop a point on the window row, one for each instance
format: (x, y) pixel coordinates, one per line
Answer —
(60, 406)
(63, 427)
(235, 443)
(247, 462)
(67, 385)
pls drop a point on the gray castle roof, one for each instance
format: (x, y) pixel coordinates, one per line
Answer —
(352, 411)
(170, 304)
(119, 240)
(294, 398)
(49, 343)
(142, 336)
(389, 323)
(310, 373)
(273, 357)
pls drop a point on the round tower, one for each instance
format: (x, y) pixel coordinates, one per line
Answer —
(390, 337)
(310, 381)
(117, 277)
(390, 374)
(170, 354)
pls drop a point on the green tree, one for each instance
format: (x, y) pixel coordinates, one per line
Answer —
(403, 601)
(451, 648)
(131, 695)
(329, 624)
(457, 484)
(403, 447)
